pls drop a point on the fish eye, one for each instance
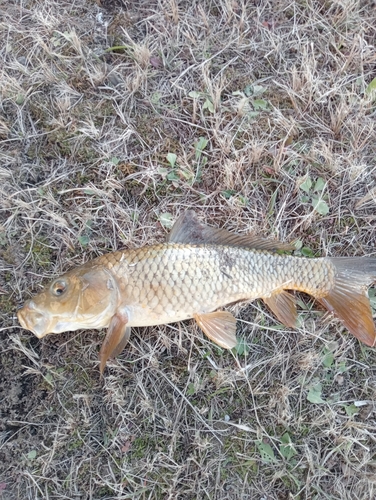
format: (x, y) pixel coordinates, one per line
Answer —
(59, 287)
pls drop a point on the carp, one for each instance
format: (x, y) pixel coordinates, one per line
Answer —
(197, 271)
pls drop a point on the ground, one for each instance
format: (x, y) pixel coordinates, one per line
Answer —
(117, 116)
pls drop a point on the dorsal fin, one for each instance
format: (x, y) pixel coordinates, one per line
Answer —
(189, 230)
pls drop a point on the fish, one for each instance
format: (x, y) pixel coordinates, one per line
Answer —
(194, 274)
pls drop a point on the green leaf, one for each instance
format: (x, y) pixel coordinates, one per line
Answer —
(171, 158)
(84, 240)
(371, 87)
(228, 193)
(49, 378)
(208, 105)
(186, 174)
(373, 304)
(306, 252)
(194, 94)
(173, 176)
(32, 454)
(191, 389)
(156, 97)
(166, 220)
(341, 367)
(302, 304)
(314, 394)
(20, 99)
(286, 448)
(306, 185)
(320, 205)
(243, 200)
(254, 90)
(260, 104)
(319, 185)
(372, 297)
(119, 48)
(115, 160)
(351, 410)
(266, 452)
(241, 347)
(298, 244)
(200, 146)
(272, 202)
(328, 359)
(258, 89)
(163, 171)
(248, 91)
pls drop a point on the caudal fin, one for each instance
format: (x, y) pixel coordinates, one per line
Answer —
(348, 299)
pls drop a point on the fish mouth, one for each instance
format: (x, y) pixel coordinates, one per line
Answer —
(34, 320)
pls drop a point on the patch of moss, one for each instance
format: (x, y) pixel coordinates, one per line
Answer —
(144, 445)
(7, 304)
(40, 251)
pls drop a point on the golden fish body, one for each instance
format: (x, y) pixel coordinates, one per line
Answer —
(172, 282)
(199, 270)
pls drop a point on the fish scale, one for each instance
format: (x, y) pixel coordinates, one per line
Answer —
(185, 279)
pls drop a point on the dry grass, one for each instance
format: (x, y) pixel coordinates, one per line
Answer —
(93, 98)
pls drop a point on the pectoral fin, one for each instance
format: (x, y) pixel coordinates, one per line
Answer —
(283, 305)
(116, 339)
(219, 326)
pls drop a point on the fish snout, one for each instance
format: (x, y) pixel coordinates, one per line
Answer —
(32, 319)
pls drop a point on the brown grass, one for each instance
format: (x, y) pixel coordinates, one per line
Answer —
(93, 98)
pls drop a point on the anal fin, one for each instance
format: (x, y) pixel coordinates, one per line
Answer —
(116, 339)
(219, 326)
(283, 305)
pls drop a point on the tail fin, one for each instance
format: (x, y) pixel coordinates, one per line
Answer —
(348, 299)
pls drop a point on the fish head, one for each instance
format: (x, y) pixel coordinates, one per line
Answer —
(85, 297)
